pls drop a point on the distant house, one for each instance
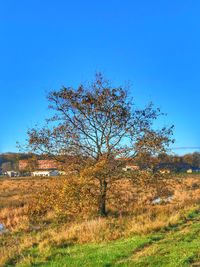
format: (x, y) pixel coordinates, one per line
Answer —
(12, 173)
(193, 170)
(164, 171)
(131, 168)
(196, 170)
(46, 173)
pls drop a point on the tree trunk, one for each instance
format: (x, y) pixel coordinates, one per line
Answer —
(102, 199)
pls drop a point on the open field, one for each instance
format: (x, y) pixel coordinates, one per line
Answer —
(160, 235)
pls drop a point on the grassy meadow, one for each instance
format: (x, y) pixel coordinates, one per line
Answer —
(154, 235)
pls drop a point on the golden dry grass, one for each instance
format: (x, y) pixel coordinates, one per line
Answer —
(15, 195)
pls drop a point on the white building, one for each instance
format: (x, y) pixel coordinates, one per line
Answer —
(45, 173)
(190, 171)
(165, 171)
(131, 168)
(12, 173)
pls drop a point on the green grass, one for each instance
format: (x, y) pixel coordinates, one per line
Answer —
(93, 255)
(178, 246)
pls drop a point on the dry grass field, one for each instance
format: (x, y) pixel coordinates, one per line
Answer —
(15, 194)
(26, 243)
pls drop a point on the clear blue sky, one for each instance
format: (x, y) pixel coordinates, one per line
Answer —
(46, 44)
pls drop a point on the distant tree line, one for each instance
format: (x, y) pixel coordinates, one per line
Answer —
(9, 161)
(176, 163)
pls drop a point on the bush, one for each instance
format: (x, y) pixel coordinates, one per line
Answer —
(67, 198)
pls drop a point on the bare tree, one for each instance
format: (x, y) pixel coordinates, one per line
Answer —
(99, 123)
